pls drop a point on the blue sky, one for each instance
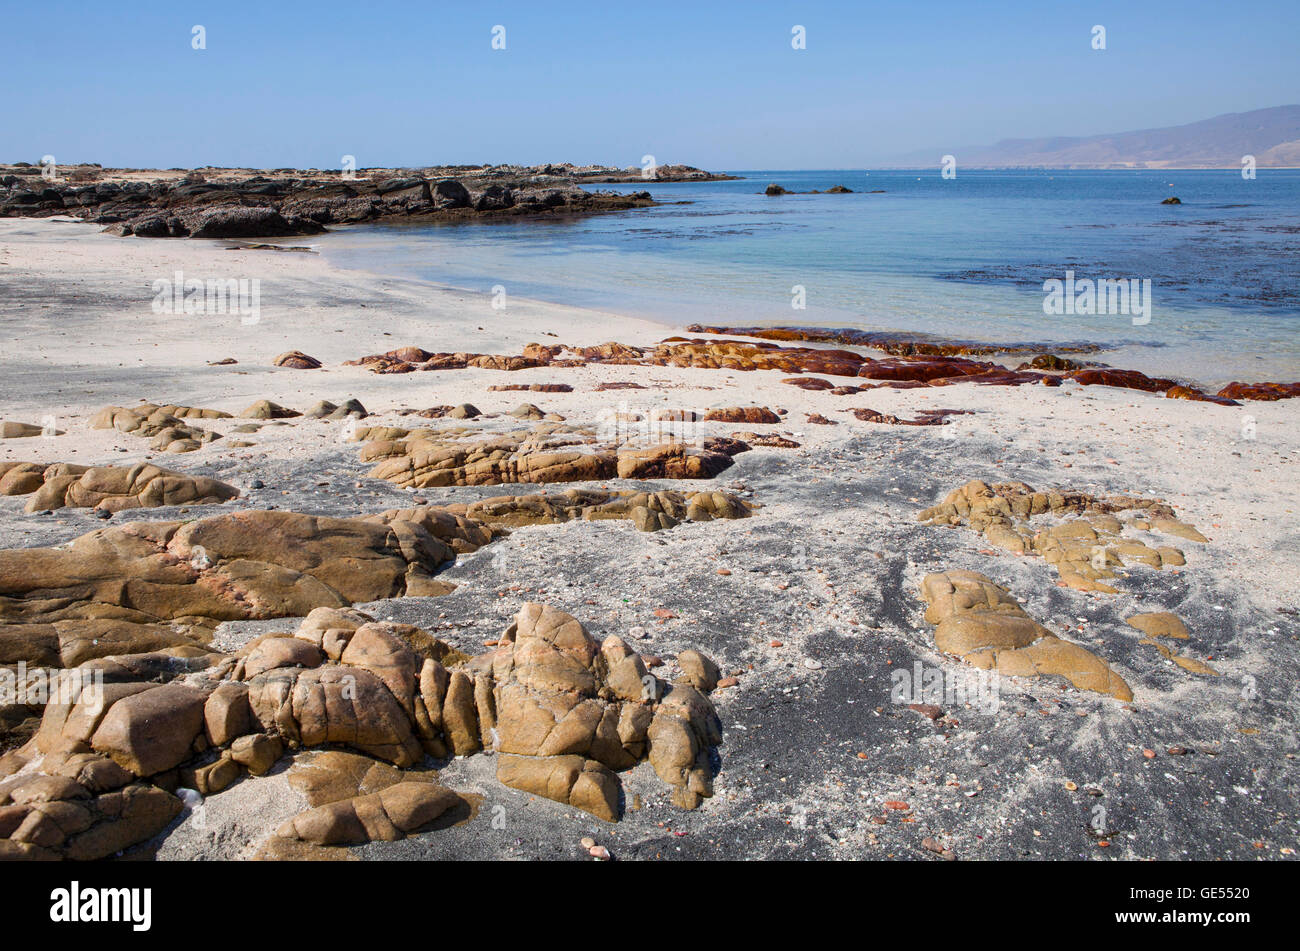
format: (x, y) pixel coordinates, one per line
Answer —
(397, 83)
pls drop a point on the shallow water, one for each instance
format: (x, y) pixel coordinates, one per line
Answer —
(958, 258)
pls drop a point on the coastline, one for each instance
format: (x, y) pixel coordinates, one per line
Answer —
(830, 566)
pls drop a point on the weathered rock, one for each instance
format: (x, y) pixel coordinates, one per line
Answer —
(257, 752)
(114, 488)
(983, 624)
(1159, 624)
(297, 360)
(572, 780)
(384, 816)
(246, 222)
(164, 425)
(13, 430)
(151, 731)
(563, 711)
(211, 778)
(325, 776)
(1260, 391)
(352, 409)
(276, 651)
(929, 417)
(226, 713)
(532, 458)
(118, 590)
(698, 670)
(1084, 548)
(532, 387)
(684, 729)
(742, 414)
(265, 409)
(122, 819)
(1190, 664)
(765, 440)
(343, 704)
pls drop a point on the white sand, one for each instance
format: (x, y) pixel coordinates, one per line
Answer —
(79, 332)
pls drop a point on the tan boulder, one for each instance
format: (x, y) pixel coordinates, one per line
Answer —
(123, 818)
(983, 624)
(153, 730)
(347, 705)
(698, 670)
(1159, 624)
(226, 713)
(572, 780)
(256, 751)
(13, 430)
(385, 816)
(265, 409)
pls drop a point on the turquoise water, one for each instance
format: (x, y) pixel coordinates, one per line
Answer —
(957, 258)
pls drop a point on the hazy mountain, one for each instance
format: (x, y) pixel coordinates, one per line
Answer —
(1271, 135)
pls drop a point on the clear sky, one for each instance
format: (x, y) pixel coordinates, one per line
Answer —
(284, 83)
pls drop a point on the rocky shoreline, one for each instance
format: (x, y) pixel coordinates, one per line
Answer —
(248, 203)
(559, 587)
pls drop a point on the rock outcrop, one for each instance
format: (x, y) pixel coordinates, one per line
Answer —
(248, 203)
(422, 460)
(148, 585)
(15, 430)
(914, 363)
(928, 417)
(164, 425)
(108, 488)
(982, 623)
(563, 713)
(297, 360)
(1085, 546)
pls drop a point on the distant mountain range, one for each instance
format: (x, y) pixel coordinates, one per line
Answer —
(1271, 135)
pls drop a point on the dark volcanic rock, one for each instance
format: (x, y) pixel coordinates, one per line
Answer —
(241, 222)
(450, 193)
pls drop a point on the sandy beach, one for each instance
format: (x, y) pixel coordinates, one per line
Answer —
(809, 606)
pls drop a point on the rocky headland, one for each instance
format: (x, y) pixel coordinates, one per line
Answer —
(253, 203)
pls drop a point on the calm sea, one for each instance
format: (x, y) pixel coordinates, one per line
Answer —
(912, 251)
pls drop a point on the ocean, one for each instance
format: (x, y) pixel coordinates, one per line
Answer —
(911, 251)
